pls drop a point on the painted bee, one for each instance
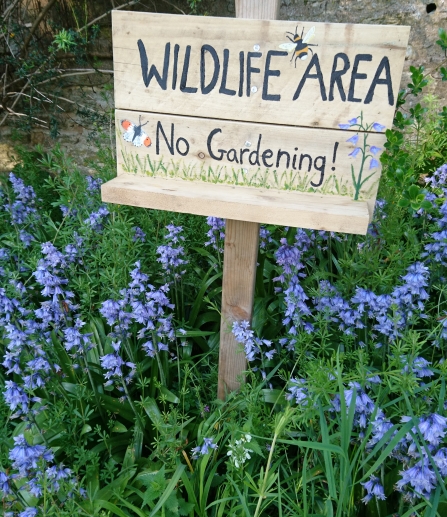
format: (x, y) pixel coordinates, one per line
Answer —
(299, 45)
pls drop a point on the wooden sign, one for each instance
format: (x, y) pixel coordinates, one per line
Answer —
(278, 72)
(246, 114)
(255, 121)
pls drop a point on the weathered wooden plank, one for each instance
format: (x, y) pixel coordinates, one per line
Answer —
(354, 69)
(238, 289)
(240, 153)
(332, 213)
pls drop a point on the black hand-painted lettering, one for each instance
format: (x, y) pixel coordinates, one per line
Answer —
(184, 79)
(153, 72)
(356, 76)
(240, 92)
(268, 153)
(383, 65)
(241, 155)
(255, 153)
(283, 153)
(209, 87)
(337, 74)
(314, 62)
(208, 145)
(251, 70)
(157, 138)
(174, 71)
(320, 169)
(223, 85)
(271, 73)
(177, 146)
(309, 162)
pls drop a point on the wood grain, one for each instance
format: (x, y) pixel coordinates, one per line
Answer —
(297, 155)
(238, 289)
(236, 35)
(334, 213)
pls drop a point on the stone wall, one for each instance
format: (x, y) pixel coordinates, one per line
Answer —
(424, 17)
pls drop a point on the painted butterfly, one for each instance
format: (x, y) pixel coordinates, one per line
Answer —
(134, 134)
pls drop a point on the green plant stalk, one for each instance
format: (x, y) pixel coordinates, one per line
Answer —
(278, 431)
(129, 398)
(358, 185)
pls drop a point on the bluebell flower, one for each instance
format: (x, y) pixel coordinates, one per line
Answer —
(96, 219)
(264, 237)
(355, 152)
(420, 477)
(378, 127)
(439, 178)
(207, 446)
(29, 512)
(81, 343)
(380, 425)
(26, 238)
(68, 211)
(16, 397)
(4, 484)
(25, 457)
(440, 459)
(364, 406)
(344, 126)
(139, 235)
(353, 121)
(245, 336)
(23, 208)
(114, 363)
(35, 487)
(421, 367)
(93, 184)
(353, 140)
(298, 391)
(373, 488)
(170, 254)
(216, 232)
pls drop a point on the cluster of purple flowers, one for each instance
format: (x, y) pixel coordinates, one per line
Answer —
(142, 303)
(252, 344)
(31, 463)
(170, 254)
(298, 392)
(207, 446)
(96, 219)
(23, 209)
(216, 233)
(139, 235)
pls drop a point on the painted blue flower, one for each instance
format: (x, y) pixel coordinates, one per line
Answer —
(378, 127)
(373, 163)
(353, 121)
(353, 140)
(344, 126)
(355, 152)
(374, 149)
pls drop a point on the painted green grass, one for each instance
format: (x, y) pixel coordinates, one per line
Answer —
(289, 180)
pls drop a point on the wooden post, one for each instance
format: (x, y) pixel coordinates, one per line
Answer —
(240, 256)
